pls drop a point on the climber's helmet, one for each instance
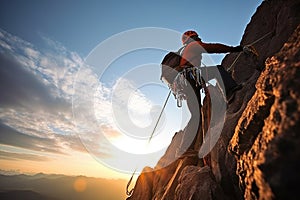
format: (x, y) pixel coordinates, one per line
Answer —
(187, 35)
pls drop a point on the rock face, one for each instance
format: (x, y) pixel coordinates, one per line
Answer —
(267, 138)
(257, 155)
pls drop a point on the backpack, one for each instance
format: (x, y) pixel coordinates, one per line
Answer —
(169, 64)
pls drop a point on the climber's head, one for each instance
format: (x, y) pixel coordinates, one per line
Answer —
(188, 35)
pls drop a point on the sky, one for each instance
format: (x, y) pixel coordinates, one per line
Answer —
(57, 115)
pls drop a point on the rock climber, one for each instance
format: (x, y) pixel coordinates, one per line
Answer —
(189, 67)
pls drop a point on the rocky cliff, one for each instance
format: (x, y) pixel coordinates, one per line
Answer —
(257, 155)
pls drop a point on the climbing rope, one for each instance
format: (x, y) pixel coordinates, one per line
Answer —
(259, 39)
(248, 48)
(129, 192)
(233, 63)
(162, 110)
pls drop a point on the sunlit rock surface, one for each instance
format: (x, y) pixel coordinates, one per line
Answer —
(257, 155)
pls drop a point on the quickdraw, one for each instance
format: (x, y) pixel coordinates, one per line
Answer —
(180, 82)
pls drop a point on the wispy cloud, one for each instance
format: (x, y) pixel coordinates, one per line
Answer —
(22, 88)
(11, 137)
(4, 155)
(37, 90)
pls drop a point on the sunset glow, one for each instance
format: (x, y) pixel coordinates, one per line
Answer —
(60, 114)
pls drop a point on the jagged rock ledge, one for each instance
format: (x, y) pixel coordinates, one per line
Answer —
(257, 155)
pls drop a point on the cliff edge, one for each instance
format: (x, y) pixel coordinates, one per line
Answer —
(257, 155)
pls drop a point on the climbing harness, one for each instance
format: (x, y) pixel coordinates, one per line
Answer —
(177, 89)
(180, 82)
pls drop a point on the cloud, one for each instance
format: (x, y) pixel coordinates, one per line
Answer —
(124, 101)
(72, 142)
(4, 155)
(36, 97)
(51, 101)
(11, 137)
(19, 87)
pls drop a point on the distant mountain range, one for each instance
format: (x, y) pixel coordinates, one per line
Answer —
(60, 187)
(23, 195)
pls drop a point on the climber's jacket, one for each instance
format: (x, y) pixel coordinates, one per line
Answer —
(192, 53)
